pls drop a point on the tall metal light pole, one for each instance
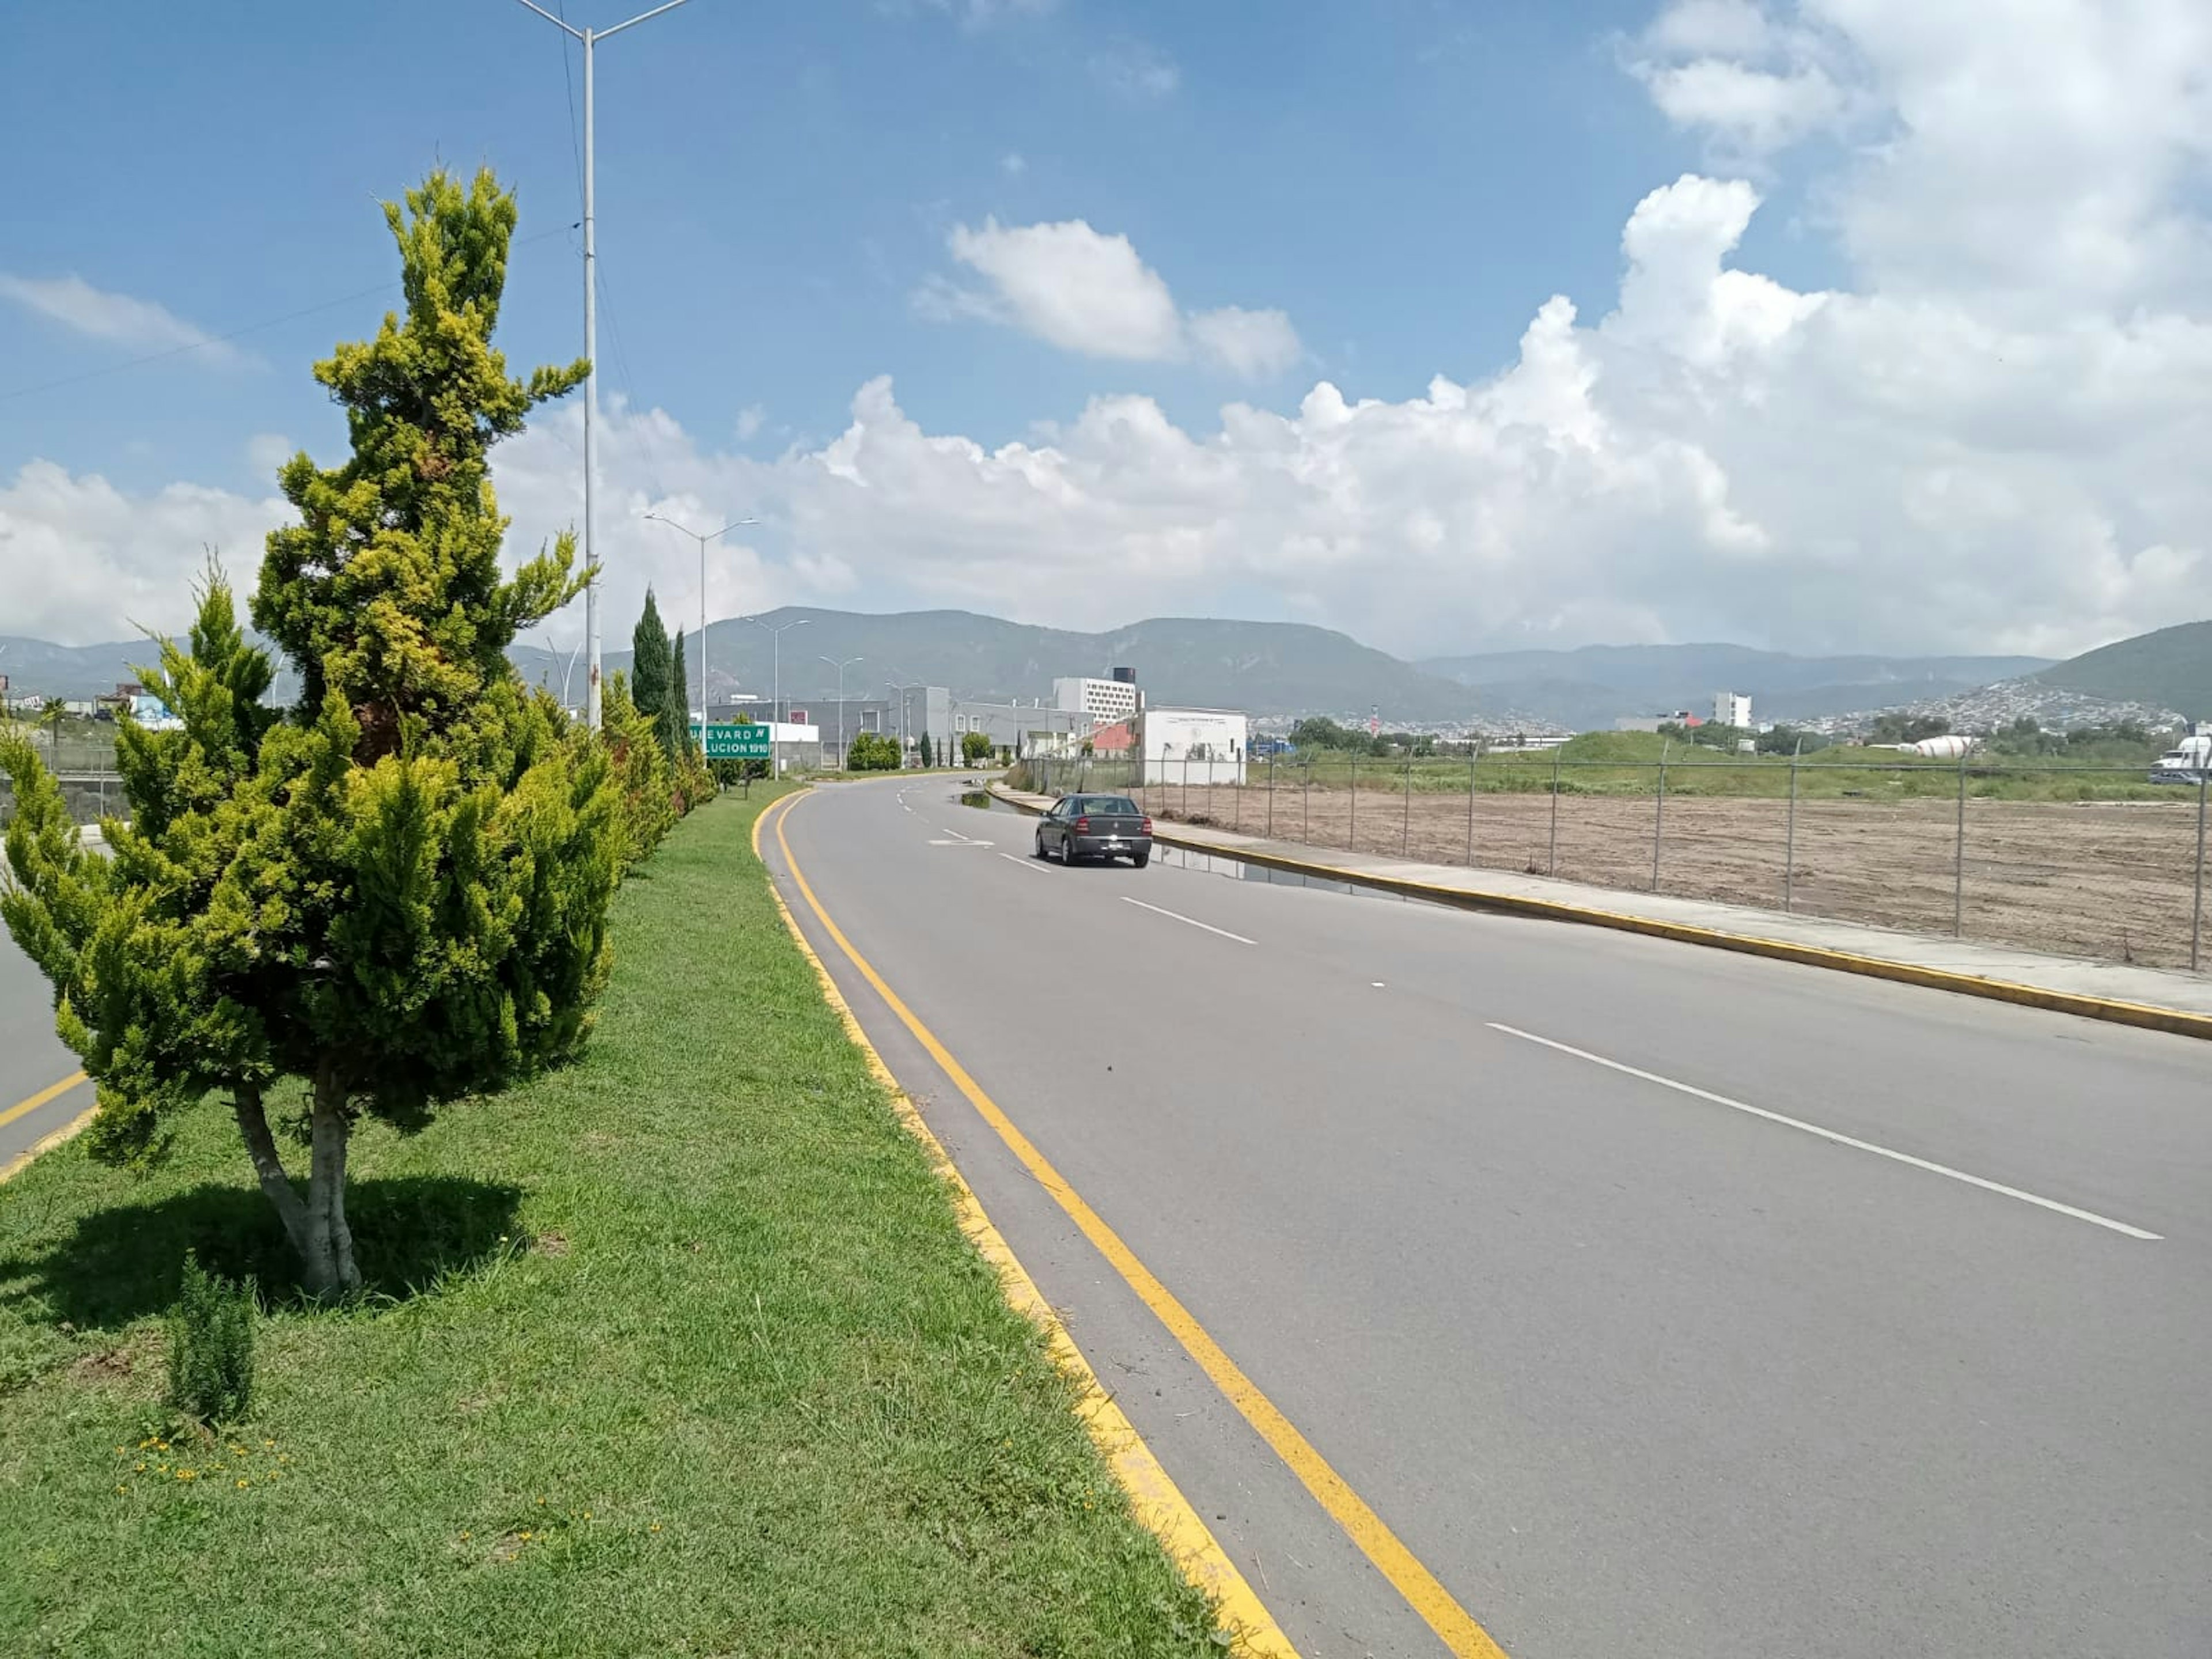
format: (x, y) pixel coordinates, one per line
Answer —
(589, 38)
(702, 539)
(841, 664)
(900, 684)
(775, 685)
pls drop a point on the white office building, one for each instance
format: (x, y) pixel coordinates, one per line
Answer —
(1100, 701)
(1732, 708)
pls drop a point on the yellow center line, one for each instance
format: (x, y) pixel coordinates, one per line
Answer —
(51, 1092)
(1454, 1626)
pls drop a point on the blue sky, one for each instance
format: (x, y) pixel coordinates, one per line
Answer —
(782, 190)
(1409, 180)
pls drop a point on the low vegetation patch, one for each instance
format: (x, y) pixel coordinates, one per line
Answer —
(676, 1350)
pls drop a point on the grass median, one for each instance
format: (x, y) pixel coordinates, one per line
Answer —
(678, 1350)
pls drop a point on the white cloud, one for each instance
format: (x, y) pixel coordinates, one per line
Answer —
(1135, 71)
(1075, 287)
(76, 304)
(1013, 164)
(751, 419)
(86, 562)
(1256, 344)
(1085, 291)
(2037, 159)
(1755, 110)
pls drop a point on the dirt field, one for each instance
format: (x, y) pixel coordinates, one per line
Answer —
(2110, 881)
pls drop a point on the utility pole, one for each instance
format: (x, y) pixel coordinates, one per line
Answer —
(702, 539)
(588, 39)
(841, 664)
(776, 686)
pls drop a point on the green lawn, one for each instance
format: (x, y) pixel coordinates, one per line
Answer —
(677, 1351)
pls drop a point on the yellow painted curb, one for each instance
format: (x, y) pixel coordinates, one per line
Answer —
(68, 1131)
(1154, 1498)
(2146, 1016)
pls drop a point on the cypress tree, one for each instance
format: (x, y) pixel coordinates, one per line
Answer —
(649, 665)
(396, 893)
(675, 724)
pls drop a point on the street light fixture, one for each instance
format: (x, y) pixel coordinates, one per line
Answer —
(841, 664)
(901, 684)
(589, 37)
(702, 539)
(775, 683)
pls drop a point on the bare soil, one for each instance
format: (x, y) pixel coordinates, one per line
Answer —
(2113, 881)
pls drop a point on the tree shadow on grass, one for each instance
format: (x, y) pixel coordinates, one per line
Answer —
(123, 1261)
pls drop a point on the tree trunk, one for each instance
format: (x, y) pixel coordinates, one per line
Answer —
(261, 1147)
(331, 1270)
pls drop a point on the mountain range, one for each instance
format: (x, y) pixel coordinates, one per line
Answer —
(1591, 686)
(1293, 668)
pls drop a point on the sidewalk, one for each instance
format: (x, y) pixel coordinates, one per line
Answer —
(2155, 998)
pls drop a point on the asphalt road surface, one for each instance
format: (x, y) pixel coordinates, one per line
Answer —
(32, 1058)
(1660, 1302)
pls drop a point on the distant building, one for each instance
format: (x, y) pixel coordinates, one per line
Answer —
(1114, 739)
(1100, 701)
(1732, 708)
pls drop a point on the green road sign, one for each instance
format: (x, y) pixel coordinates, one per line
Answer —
(735, 742)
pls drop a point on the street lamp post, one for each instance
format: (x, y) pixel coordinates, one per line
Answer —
(840, 665)
(589, 37)
(775, 685)
(702, 539)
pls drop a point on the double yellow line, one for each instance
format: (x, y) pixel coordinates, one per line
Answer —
(1454, 1626)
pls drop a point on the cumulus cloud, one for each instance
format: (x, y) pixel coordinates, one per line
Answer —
(1085, 291)
(2044, 163)
(87, 562)
(1074, 288)
(102, 315)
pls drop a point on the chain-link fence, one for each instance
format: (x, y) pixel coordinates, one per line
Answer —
(85, 766)
(2083, 861)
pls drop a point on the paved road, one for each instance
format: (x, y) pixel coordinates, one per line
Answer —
(1632, 1369)
(32, 1058)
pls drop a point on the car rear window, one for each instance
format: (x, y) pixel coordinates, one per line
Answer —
(1108, 807)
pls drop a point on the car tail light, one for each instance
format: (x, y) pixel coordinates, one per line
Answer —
(1148, 826)
(1083, 826)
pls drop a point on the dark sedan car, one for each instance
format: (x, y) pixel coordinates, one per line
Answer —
(1094, 827)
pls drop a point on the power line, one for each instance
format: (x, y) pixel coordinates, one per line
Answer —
(650, 451)
(236, 333)
(568, 86)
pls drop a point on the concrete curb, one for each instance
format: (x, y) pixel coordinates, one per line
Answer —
(2146, 1016)
(68, 1131)
(1155, 1500)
